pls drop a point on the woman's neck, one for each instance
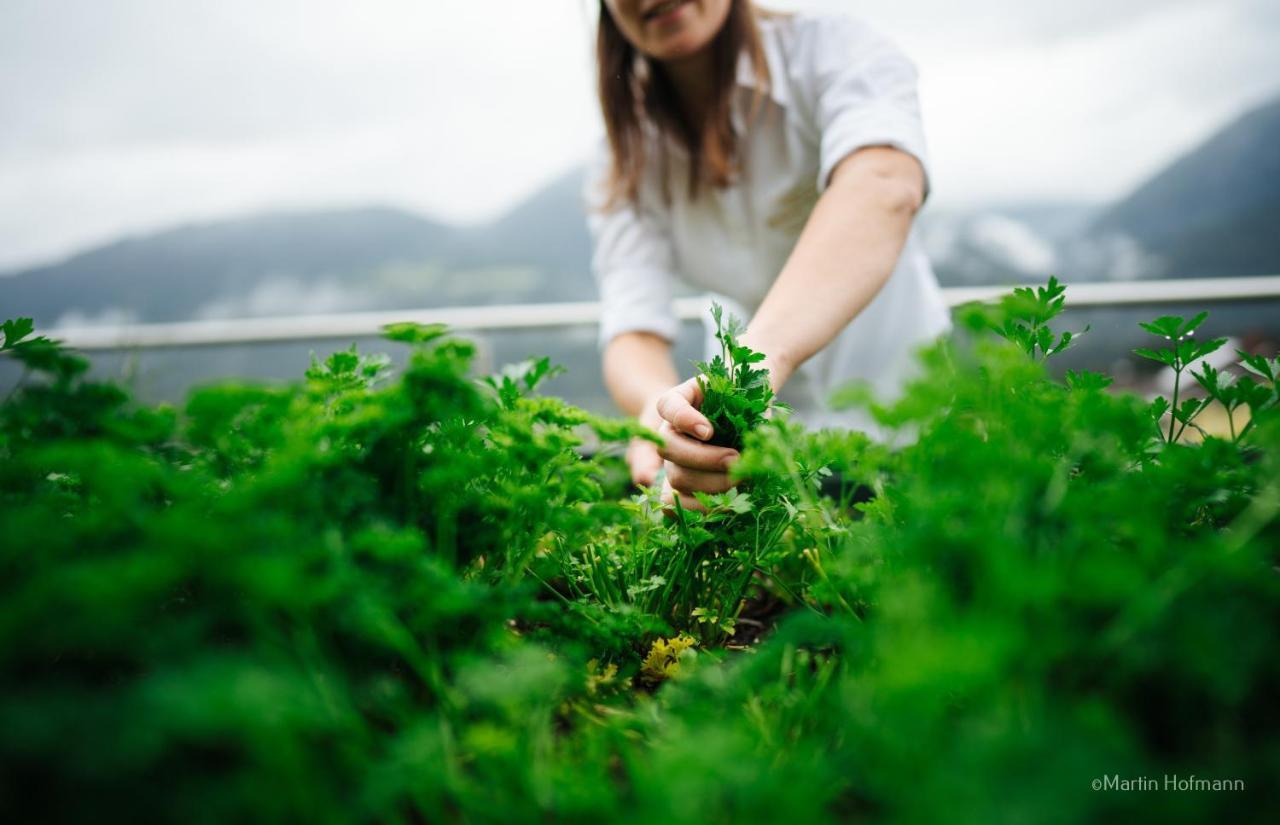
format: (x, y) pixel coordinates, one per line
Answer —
(694, 80)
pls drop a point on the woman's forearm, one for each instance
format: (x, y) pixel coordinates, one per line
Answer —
(637, 368)
(847, 251)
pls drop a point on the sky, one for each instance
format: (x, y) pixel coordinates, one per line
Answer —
(126, 116)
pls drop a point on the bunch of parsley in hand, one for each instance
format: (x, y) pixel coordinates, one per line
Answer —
(735, 396)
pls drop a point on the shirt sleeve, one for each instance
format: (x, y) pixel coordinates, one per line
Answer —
(632, 261)
(863, 94)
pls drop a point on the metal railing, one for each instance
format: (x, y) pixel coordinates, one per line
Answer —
(541, 316)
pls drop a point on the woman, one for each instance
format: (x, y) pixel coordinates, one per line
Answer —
(776, 161)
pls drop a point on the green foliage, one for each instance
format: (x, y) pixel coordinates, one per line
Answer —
(735, 395)
(39, 353)
(384, 594)
(697, 571)
(1234, 393)
(277, 594)
(1179, 355)
(1022, 317)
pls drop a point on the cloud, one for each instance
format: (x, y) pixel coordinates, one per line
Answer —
(109, 317)
(999, 21)
(1092, 116)
(126, 115)
(282, 295)
(132, 114)
(1013, 242)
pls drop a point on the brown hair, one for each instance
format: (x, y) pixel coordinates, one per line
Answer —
(633, 87)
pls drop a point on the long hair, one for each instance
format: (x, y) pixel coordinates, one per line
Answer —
(632, 89)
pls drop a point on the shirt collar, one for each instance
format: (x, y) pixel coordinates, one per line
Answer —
(746, 74)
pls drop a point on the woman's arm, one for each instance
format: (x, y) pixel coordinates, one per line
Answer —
(638, 367)
(846, 252)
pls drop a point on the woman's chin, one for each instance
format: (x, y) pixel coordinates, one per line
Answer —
(678, 47)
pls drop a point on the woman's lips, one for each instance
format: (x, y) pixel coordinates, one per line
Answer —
(665, 12)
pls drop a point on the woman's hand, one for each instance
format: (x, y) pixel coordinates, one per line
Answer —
(691, 464)
(643, 459)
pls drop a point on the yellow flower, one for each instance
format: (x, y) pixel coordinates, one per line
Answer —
(598, 678)
(663, 660)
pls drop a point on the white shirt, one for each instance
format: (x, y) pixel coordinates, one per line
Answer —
(837, 86)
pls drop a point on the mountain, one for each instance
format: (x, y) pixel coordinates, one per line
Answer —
(548, 229)
(1215, 210)
(1001, 243)
(185, 272)
(300, 262)
(1211, 212)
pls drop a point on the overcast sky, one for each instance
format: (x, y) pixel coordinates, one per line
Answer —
(122, 116)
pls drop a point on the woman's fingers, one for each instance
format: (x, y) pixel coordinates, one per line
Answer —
(679, 407)
(643, 461)
(691, 464)
(687, 501)
(686, 480)
(693, 454)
